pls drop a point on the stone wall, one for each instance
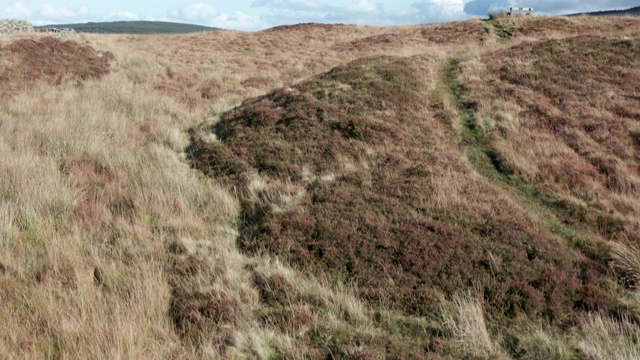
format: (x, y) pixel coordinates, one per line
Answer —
(58, 32)
(12, 27)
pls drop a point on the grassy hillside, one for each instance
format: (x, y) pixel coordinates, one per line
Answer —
(460, 191)
(133, 27)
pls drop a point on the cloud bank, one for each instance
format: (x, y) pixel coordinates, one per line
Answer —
(203, 13)
(46, 13)
(291, 11)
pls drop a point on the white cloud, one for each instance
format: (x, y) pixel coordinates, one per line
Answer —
(237, 21)
(306, 5)
(16, 9)
(207, 15)
(122, 15)
(195, 12)
(440, 10)
(61, 12)
(366, 7)
(296, 11)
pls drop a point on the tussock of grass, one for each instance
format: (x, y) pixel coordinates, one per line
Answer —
(465, 320)
(496, 15)
(626, 261)
(608, 339)
(542, 345)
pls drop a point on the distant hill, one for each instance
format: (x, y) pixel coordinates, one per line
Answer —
(134, 27)
(634, 11)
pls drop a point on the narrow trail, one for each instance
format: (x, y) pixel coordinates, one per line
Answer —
(475, 142)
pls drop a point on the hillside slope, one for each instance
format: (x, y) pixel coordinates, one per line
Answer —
(360, 173)
(466, 190)
(350, 173)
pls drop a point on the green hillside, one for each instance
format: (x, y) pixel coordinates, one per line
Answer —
(134, 27)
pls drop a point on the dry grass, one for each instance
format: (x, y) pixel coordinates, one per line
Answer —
(607, 339)
(100, 213)
(93, 191)
(561, 137)
(626, 261)
(466, 321)
(113, 246)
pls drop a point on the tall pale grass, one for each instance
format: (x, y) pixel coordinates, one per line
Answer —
(93, 187)
(464, 319)
(625, 259)
(608, 339)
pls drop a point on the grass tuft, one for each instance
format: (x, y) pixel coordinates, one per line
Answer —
(625, 260)
(608, 339)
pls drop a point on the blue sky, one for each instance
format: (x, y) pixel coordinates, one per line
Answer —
(260, 14)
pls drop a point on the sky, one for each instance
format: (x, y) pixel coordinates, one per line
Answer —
(260, 14)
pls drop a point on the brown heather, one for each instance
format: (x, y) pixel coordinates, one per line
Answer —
(464, 190)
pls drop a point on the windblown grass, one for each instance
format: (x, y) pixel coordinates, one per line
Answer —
(344, 215)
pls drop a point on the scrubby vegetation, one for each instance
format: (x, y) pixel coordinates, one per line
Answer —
(464, 190)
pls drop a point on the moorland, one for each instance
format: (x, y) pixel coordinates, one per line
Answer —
(468, 190)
